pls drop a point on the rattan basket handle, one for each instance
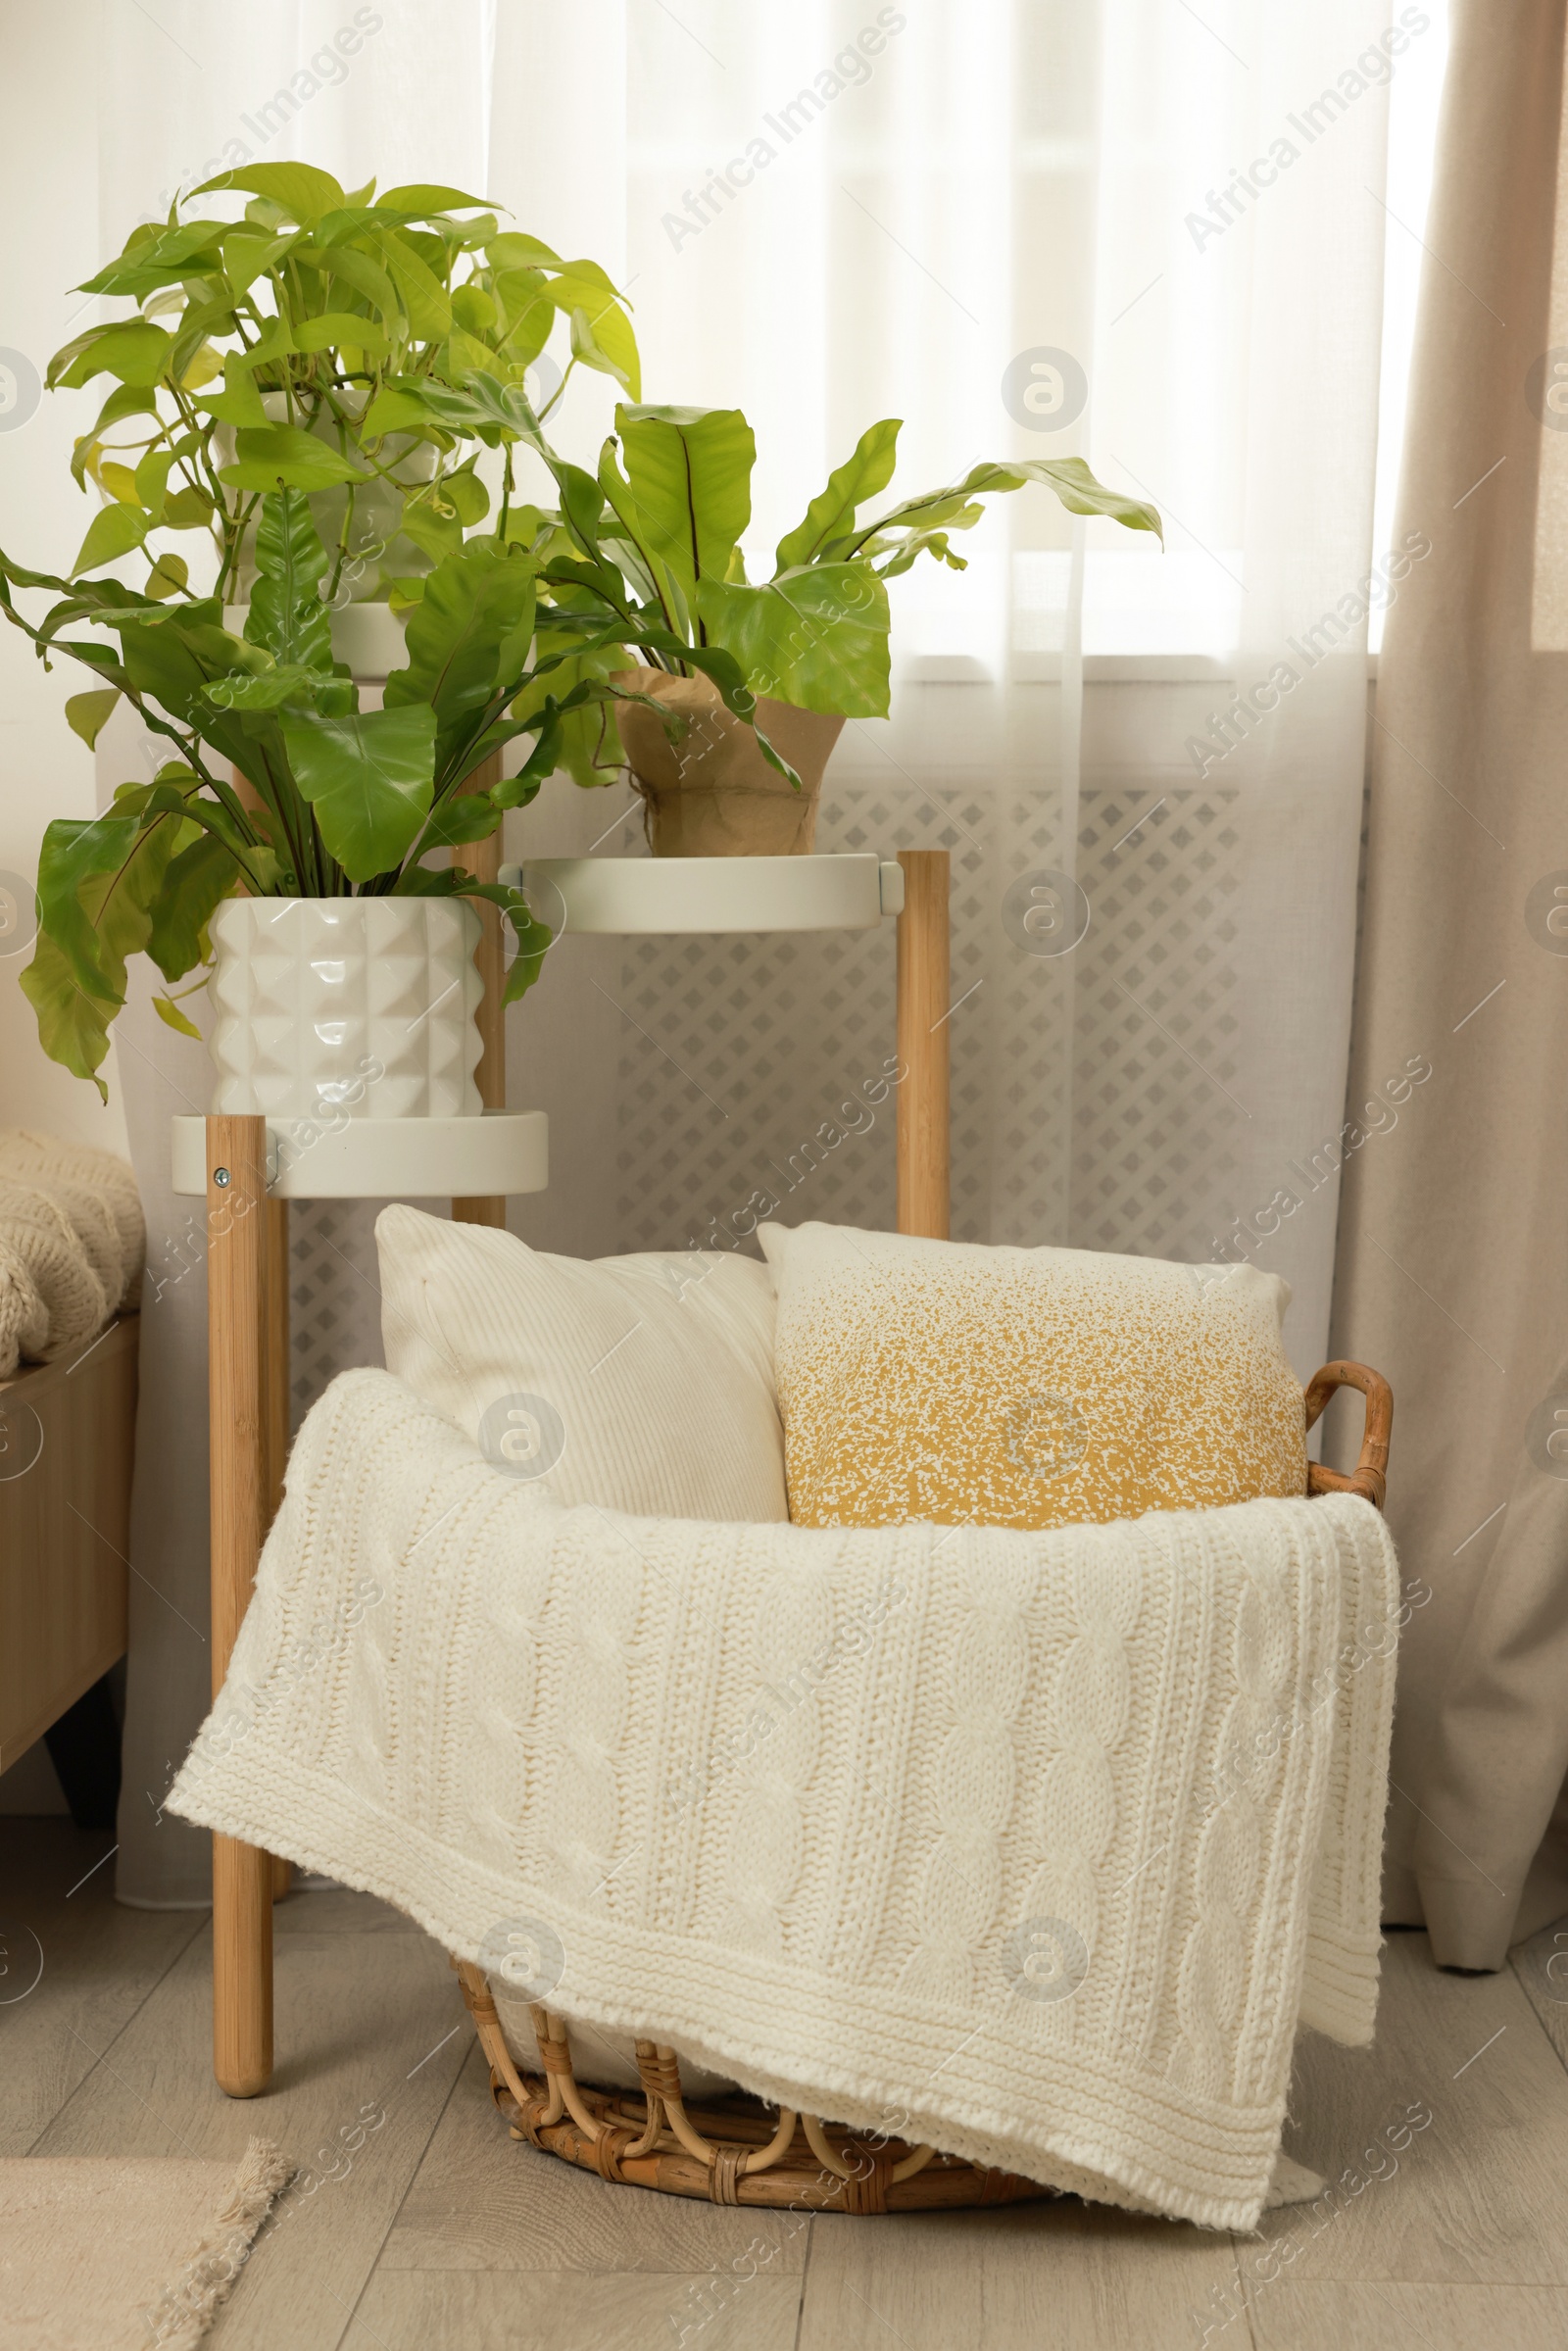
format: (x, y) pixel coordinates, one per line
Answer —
(1370, 1476)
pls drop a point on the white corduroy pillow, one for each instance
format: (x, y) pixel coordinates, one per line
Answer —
(641, 1384)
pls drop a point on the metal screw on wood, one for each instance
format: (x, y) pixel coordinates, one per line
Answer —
(221, 1176)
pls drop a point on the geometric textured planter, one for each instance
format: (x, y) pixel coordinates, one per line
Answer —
(356, 1007)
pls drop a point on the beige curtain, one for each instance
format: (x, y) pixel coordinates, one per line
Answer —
(1453, 1271)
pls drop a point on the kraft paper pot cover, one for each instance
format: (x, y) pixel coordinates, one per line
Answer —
(711, 794)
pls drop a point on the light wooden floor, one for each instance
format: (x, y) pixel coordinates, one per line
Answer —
(440, 2231)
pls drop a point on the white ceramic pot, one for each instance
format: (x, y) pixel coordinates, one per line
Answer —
(367, 637)
(378, 508)
(356, 1006)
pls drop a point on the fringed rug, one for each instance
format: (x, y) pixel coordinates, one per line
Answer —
(101, 2254)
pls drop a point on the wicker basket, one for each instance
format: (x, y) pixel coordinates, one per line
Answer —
(732, 2150)
(738, 2150)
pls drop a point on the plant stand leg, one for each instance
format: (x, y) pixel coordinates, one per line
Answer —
(482, 859)
(237, 1232)
(274, 1407)
(922, 992)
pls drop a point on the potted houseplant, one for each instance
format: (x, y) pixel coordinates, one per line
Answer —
(257, 348)
(248, 408)
(289, 829)
(653, 544)
(659, 538)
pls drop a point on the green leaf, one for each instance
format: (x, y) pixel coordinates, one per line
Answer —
(273, 345)
(163, 259)
(168, 576)
(334, 327)
(461, 817)
(534, 938)
(73, 1025)
(120, 482)
(187, 510)
(405, 592)
(1068, 476)
(304, 192)
(194, 360)
(917, 543)
(602, 335)
(291, 681)
(582, 507)
(239, 403)
(170, 1013)
(287, 616)
(125, 400)
(690, 475)
(1081, 494)
(152, 480)
(436, 534)
(97, 880)
(283, 456)
(467, 640)
(583, 740)
(399, 408)
(483, 406)
(582, 284)
(169, 658)
(423, 197)
(473, 308)
(467, 493)
(832, 511)
(194, 883)
(516, 791)
(424, 297)
(817, 637)
(369, 779)
(527, 330)
(112, 534)
(248, 255)
(358, 271)
(513, 250)
(463, 355)
(87, 714)
(133, 349)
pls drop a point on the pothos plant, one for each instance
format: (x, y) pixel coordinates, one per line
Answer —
(259, 347)
(326, 800)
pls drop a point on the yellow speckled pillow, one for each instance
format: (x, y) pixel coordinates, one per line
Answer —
(1023, 1387)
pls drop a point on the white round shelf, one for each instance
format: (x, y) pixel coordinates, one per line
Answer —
(388, 1158)
(849, 892)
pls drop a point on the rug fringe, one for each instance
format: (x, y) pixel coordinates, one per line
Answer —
(190, 2303)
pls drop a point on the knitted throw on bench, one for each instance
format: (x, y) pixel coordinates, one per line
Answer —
(1038, 1846)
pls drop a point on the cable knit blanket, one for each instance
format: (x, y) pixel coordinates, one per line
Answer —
(1039, 1844)
(70, 1245)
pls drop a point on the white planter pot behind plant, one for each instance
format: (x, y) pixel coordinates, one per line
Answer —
(376, 506)
(356, 1006)
(367, 638)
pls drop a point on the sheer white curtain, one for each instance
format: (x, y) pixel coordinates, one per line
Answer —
(1129, 229)
(1173, 218)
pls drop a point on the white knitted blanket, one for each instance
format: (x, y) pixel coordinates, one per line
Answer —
(1037, 1847)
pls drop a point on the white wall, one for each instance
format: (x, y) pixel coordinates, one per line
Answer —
(51, 203)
